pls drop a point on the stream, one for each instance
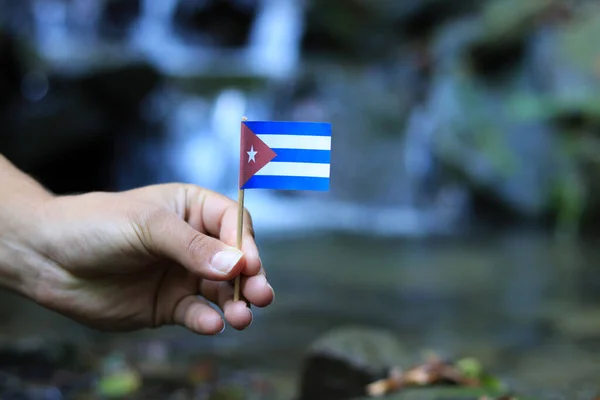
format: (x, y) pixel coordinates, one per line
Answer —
(525, 304)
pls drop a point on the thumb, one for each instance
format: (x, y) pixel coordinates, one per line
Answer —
(172, 237)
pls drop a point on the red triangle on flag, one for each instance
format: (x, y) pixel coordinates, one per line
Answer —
(254, 154)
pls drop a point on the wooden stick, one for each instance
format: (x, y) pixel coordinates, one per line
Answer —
(240, 229)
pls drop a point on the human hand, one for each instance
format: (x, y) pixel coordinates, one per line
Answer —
(140, 259)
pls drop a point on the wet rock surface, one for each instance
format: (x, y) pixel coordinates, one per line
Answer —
(342, 363)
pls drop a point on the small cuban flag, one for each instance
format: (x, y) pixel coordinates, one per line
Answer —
(285, 155)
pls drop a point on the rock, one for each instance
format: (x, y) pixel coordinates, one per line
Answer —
(340, 27)
(507, 28)
(343, 362)
(422, 18)
(223, 23)
(73, 129)
(580, 323)
(512, 18)
(577, 42)
(119, 91)
(118, 16)
(495, 154)
(362, 30)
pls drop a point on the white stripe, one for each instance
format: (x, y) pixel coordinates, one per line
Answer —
(295, 169)
(297, 142)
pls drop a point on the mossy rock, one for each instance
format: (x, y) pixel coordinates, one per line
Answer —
(579, 41)
(376, 348)
(504, 19)
(343, 362)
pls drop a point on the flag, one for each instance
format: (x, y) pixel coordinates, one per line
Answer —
(285, 155)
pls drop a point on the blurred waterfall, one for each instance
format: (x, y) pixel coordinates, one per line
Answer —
(51, 29)
(204, 146)
(86, 19)
(199, 142)
(275, 40)
(152, 33)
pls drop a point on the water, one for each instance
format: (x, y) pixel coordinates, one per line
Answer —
(525, 304)
(275, 39)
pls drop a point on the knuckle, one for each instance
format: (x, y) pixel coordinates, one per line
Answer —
(148, 216)
(158, 215)
(192, 191)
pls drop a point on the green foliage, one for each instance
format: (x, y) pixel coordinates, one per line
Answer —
(119, 384)
(472, 368)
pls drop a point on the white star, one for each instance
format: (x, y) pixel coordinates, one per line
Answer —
(251, 154)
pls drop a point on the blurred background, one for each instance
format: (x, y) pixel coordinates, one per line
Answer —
(463, 209)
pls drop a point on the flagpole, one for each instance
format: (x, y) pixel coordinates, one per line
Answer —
(240, 230)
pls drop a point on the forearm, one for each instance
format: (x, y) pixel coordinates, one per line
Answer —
(20, 198)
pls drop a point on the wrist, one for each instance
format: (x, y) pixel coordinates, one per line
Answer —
(20, 203)
(18, 265)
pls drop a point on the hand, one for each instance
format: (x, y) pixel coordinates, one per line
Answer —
(139, 259)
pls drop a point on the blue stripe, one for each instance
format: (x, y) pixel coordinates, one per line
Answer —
(289, 128)
(287, 183)
(307, 156)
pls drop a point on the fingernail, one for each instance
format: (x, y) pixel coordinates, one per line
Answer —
(222, 330)
(225, 260)
(272, 290)
(264, 278)
(251, 318)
